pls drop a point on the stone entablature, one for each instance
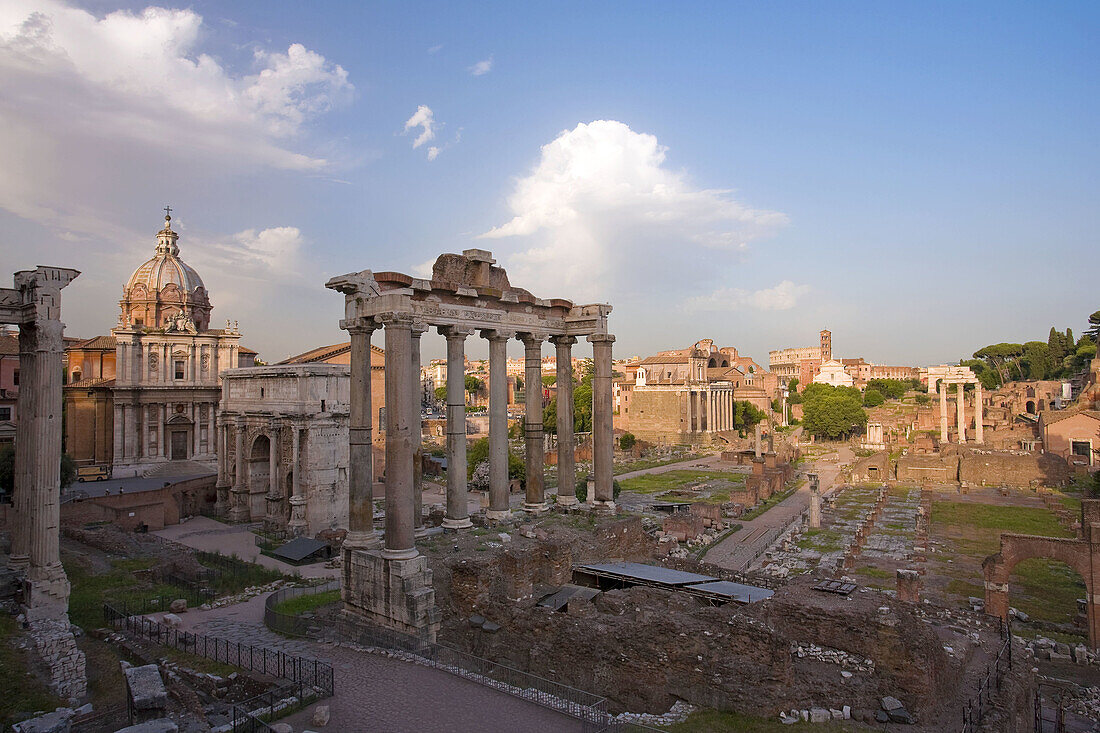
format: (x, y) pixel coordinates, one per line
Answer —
(466, 294)
(940, 378)
(283, 446)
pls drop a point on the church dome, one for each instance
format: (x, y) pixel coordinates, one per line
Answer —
(165, 292)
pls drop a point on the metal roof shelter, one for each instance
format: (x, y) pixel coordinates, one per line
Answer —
(725, 590)
(622, 574)
(559, 599)
(836, 586)
(303, 549)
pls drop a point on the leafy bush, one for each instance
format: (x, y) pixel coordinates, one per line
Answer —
(872, 398)
(627, 441)
(581, 491)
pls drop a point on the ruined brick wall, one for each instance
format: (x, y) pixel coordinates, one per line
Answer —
(1007, 469)
(935, 468)
(657, 415)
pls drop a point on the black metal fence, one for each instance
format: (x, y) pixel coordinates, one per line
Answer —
(308, 672)
(290, 624)
(977, 706)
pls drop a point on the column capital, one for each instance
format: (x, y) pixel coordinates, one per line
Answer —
(396, 320)
(419, 328)
(530, 339)
(494, 334)
(367, 324)
(601, 338)
(563, 340)
(457, 333)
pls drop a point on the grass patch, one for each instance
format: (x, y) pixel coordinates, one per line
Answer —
(716, 721)
(91, 590)
(1046, 590)
(965, 589)
(654, 483)
(1018, 519)
(195, 662)
(643, 463)
(233, 575)
(307, 603)
(821, 540)
(873, 572)
(23, 692)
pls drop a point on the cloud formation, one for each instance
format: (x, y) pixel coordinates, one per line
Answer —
(482, 67)
(602, 211)
(425, 120)
(783, 296)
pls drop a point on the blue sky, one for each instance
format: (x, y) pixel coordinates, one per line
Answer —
(921, 179)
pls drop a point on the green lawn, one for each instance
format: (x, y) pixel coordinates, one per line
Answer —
(90, 590)
(1046, 590)
(655, 483)
(23, 693)
(307, 603)
(1017, 519)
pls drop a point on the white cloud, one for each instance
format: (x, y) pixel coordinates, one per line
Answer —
(602, 212)
(436, 48)
(783, 296)
(482, 67)
(425, 120)
(131, 99)
(433, 152)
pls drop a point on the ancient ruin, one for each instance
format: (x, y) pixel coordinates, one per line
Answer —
(941, 378)
(386, 579)
(34, 305)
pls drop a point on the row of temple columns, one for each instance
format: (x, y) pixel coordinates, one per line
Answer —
(403, 429)
(960, 410)
(711, 410)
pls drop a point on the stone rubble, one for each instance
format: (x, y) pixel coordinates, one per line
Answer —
(833, 656)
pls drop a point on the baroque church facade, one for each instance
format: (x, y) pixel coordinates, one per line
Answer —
(145, 398)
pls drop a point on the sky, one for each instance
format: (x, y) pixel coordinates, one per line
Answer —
(922, 179)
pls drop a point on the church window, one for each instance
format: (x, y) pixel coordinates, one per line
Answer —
(179, 369)
(76, 375)
(15, 378)
(5, 413)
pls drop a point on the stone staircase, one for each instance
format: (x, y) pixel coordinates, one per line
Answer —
(170, 469)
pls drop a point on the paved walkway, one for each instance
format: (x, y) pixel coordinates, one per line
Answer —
(375, 693)
(210, 535)
(704, 462)
(737, 551)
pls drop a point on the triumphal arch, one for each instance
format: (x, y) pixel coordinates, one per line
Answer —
(386, 580)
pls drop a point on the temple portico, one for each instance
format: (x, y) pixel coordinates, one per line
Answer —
(939, 380)
(386, 580)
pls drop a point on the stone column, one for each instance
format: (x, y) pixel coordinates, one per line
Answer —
(960, 405)
(567, 472)
(361, 532)
(273, 469)
(942, 386)
(399, 539)
(535, 500)
(119, 423)
(759, 441)
(603, 436)
(416, 406)
(221, 505)
(458, 501)
(710, 410)
(979, 435)
(162, 417)
(298, 524)
(25, 450)
(196, 428)
(815, 508)
(498, 424)
(239, 511)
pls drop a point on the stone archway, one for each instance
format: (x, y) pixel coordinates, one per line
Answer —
(259, 475)
(1083, 555)
(1030, 407)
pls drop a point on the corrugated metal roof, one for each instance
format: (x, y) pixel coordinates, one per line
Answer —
(647, 573)
(738, 592)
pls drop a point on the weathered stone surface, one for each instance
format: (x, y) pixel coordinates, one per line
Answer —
(146, 688)
(159, 725)
(320, 716)
(178, 606)
(55, 722)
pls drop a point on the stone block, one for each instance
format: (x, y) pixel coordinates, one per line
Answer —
(320, 716)
(178, 606)
(397, 594)
(146, 689)
(819, 715)
(55, 722)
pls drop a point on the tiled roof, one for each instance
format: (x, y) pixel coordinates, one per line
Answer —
(664, 360)
(96, 342)
(1054, 416)
(9, 345)
(91, 382)
(325, 352)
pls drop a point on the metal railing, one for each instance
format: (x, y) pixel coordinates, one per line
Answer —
(270, 662)
(291, 624)
(976, 707)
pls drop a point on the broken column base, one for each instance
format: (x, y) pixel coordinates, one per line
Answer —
(394, 593)
(604, 507)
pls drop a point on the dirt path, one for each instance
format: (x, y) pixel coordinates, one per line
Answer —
(737, 551)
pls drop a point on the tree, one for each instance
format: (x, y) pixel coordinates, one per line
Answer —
(441, 393)
(549, 380)
(478, 453)
(68, 470)
(7, 469)
(872, 398)
(833, 412)
(1002, 357)
(519, 383)
(889, 389)
(792, 385)
(923, 399)
(1093, 331)
(1036, 358)
(473, 384)
(627, 441)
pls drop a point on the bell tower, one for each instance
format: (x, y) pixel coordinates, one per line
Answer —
(826, 345)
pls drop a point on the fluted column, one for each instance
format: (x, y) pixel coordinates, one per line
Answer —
(221, 504)
(297, 524)
(960, 410)
(25, 450)
(535, 500)
(240, 511)
(44, 516)
(942, 386)
(567, 470)
(602, 431)
(399, 540)
(979, 434)
(274, 451)
(458, 507)
(361, 532)
(416, 407)
(498, 424)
